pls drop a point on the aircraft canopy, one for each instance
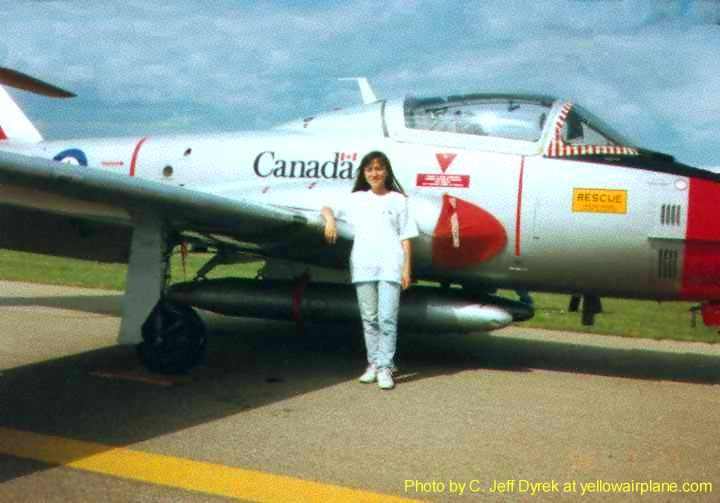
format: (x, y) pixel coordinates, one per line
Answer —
(511, 117)
(527, 118)
(583, 128)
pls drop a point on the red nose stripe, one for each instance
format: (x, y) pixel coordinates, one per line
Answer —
(479, 236)
(701, 263)
(704, 221)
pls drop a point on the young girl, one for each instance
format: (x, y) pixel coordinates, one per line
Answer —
(380, 258)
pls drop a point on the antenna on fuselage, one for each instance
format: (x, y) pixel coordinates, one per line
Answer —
(368, 95)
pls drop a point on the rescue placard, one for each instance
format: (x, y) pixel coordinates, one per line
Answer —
(599, 201)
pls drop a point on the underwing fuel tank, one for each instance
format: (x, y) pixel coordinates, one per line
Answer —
(424, 308)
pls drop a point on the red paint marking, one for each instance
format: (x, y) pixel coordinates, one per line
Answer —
(711, 314)
(519, 207)
(135, 155)
(703, 223)
(445, 160)
(184, 250)
(298, 292)
(435, 180)
(701, 271)
(3, 136)
(701, 262)
(479, 236)
(112, 164)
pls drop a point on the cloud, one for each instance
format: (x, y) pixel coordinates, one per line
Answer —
(648, 67)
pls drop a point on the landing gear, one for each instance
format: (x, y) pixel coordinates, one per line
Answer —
(174, 339)
(590, 307)
(574, 303)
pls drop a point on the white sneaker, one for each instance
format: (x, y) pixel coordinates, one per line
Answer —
(370, 375)
(384, 379)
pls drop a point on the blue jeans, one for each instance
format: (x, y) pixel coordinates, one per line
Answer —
(379, 302)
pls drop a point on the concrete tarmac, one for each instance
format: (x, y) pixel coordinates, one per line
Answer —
(519, 415)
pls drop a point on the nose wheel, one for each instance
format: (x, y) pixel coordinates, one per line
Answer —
(174, 339)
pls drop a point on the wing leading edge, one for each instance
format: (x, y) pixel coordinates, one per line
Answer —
(95, 194)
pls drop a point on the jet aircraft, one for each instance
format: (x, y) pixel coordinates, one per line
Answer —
(509, 191)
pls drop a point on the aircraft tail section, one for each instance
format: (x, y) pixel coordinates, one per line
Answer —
(14, 124)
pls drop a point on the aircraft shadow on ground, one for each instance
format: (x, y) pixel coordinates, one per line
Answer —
(514, 353)
(252, 363)
(97, 304)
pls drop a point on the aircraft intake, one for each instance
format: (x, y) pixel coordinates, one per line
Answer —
(425, 308)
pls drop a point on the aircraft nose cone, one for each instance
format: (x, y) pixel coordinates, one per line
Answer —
(465, 235)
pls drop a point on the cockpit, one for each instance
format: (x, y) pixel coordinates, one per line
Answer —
(583, 128)
(521, 124)
(556, 128)
(514, 118)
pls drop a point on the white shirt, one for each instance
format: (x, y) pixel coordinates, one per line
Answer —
(380, 223)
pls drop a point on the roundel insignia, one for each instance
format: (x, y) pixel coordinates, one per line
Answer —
(72, 156)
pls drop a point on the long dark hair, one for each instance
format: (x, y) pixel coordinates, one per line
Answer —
(391, 182)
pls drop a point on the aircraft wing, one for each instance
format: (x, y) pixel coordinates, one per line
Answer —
(96, 194)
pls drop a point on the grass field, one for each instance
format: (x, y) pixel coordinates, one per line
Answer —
(629, 318)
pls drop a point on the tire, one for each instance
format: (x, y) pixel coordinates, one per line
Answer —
(174, 339)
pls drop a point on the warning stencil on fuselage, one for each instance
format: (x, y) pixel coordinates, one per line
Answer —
(599, 201)
(438, 180)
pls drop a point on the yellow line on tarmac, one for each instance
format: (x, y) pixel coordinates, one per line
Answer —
(175, 472)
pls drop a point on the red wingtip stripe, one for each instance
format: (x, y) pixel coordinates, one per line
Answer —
(133, 161)
(519, 207)
(3, 136)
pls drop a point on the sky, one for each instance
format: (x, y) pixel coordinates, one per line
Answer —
(651, 68)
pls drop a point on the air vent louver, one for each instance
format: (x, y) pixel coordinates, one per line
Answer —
(667, 264)
(670, 214)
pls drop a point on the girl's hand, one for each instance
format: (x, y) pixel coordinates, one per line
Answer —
(330, 228)
(406, 280)
(406, 277)
(330, 231)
